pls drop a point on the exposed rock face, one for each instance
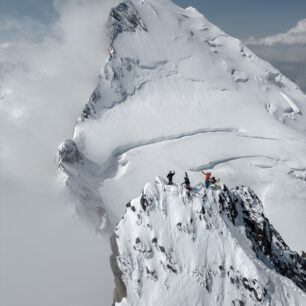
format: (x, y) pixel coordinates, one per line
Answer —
(266, 241)
(125, 18)
(68, 152)
(88, 205)
(120, 288)
(214, 247)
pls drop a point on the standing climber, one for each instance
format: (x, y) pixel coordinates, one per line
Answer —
(170, 176)
(187, 183)
(207, 176)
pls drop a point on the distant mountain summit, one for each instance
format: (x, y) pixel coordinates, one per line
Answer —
(215, 247)
(178, 93)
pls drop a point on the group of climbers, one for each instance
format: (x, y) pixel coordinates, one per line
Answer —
(208, 180)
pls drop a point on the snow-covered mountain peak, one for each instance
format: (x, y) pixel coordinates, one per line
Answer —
(179, 93)
(125, 18)
(172, 42)
(215, 247)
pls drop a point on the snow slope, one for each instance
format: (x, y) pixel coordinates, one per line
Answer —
(213, 248)
(178, 93)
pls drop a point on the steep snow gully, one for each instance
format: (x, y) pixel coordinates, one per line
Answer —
(214, 247)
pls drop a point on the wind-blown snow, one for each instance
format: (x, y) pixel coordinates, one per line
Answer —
(46, 257)
(178, 93)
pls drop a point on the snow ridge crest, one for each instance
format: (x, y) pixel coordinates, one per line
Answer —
(215, 246)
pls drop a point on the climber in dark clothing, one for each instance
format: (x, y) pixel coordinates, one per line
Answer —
(213, 180)
(170, 176)
(186, 179)
(187, 183)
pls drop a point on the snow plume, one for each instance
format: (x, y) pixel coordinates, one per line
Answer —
(47, 73)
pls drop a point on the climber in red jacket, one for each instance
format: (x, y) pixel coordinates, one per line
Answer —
(207, 176)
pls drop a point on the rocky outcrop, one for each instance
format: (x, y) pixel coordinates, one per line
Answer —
(68, 152)
(245, 209)
(120, 289)
(125, 18)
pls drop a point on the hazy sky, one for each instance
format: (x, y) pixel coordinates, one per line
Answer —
(239, 18)
(40, 9)
(243, 18)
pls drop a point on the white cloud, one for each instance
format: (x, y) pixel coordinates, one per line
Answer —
(46, 76)
(5, 45)
(296, 35)
(21, 29)
(285, 51)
